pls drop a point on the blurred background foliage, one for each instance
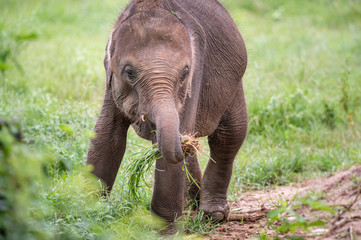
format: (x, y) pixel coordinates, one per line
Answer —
(302, 89)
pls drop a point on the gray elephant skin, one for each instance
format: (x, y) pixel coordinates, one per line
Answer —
(174, 67)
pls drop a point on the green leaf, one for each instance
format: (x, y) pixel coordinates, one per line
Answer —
(322, 206)
(317, 223)
(26, 36)
(67, 129)
(274, 213)
(284, 228)
(296, 238)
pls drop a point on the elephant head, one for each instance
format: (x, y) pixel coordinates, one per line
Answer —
(149, 71)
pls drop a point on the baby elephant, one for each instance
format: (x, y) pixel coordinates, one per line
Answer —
(174, 67)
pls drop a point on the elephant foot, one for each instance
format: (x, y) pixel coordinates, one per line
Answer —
(219, 216)
(216, 210)
(169, 230)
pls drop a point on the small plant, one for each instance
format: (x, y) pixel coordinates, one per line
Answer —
(282, 201)
(329, 116)
(346, 98)
(10, 44)
(21, 179)
(286, 220)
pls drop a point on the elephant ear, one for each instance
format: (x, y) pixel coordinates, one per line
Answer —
(108, 49)
(107, 64)
(198, 44)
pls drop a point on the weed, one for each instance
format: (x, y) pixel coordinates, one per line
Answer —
(286, 220)
(356, 180)
(282, 201)
(329, 116)
(10, 44)
(21, 179)
(345, 98)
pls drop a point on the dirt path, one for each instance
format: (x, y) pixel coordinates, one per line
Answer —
(340, 191)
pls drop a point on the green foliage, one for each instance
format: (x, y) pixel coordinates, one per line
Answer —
(10, 44)
(78, 211)
(282, 113)
(21, 179)
(35, 207)
(286, 220)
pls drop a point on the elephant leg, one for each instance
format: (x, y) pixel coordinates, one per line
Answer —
(168, 194)
(224, 144)
(107, 148)
(192, 191)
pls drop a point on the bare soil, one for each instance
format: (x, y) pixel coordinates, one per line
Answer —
(341, 191)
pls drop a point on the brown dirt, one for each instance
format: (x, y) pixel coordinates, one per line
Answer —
(341, 191)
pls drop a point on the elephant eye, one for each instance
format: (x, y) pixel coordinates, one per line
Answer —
(185, 73)
(129, 72)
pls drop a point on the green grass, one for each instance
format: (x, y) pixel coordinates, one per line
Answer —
(302, 89)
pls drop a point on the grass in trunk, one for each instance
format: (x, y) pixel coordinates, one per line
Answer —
(142, 161)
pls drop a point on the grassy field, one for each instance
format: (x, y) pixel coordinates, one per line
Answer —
(302, 87)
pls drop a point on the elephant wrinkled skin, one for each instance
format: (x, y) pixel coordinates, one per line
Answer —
(176, 67)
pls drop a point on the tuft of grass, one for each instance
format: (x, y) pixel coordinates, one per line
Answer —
(142, 162)
(198, 223)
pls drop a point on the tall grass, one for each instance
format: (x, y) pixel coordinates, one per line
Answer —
(302, 89)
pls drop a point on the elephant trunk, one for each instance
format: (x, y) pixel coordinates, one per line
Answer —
(166, 119)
